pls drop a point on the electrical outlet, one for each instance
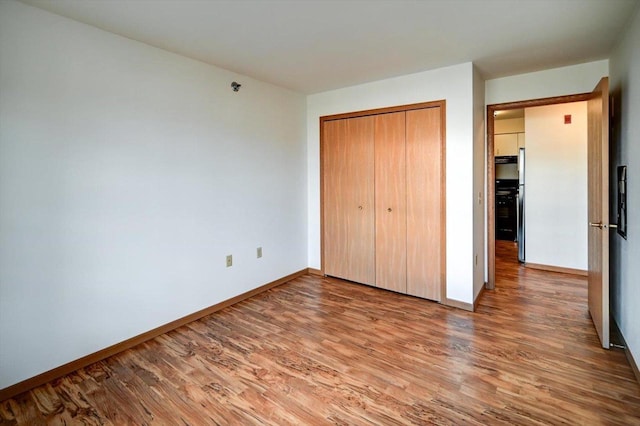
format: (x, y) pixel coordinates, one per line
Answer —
(259, 252)
(229, 260)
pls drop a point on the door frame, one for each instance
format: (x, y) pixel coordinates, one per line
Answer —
(491, 173)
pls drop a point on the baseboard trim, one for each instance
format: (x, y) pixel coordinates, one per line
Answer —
(480, 293)
(457, 304)
(556, 269)
(87, 360)
(314, 271)
(627, 352)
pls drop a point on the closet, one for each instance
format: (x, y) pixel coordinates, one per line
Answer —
(383, 212)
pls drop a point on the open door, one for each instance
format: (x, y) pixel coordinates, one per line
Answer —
(598, 208)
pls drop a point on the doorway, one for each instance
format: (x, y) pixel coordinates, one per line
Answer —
(491, 167)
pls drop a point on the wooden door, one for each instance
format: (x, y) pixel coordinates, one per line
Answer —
(390, 201)
(598, 208)
(425, 206)
(348, 188)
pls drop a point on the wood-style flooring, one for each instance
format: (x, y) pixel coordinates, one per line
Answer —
(324, 351)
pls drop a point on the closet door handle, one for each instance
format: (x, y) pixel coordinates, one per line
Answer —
(359, 207)
(389, 209)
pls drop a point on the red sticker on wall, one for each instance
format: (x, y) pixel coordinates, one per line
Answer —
(567, 119)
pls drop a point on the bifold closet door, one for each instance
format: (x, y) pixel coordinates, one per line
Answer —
(390, 201)
(425, 212)
(348, 191)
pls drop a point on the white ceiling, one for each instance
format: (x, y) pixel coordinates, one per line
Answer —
(315, 45)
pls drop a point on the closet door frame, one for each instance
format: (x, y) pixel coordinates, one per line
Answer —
(443, 114)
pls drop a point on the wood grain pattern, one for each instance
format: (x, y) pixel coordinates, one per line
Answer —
(425, 205)
(348, 225)
(69, 367)
(314, 271)
(553, 268)
(397, 248)
(618, 337)
(391, 202)
(598, 208)
(316, 351)
(386, 110)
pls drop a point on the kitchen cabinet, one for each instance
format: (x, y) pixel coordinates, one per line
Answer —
(505, 144)
(383, 205)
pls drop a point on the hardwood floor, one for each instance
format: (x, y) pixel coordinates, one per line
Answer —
(323, 351)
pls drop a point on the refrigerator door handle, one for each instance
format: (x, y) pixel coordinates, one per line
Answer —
(521, 246)
(521, 195)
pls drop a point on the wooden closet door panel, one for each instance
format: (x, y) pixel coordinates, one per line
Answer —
(425, 209)
(334, 170)
(348, 174)
(390, 202)
(360, 201)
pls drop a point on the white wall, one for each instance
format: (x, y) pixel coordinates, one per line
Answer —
(127, 173)
(479, 183)
(569, 80)
(454, 84)
(556, 186)
(625, 267)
